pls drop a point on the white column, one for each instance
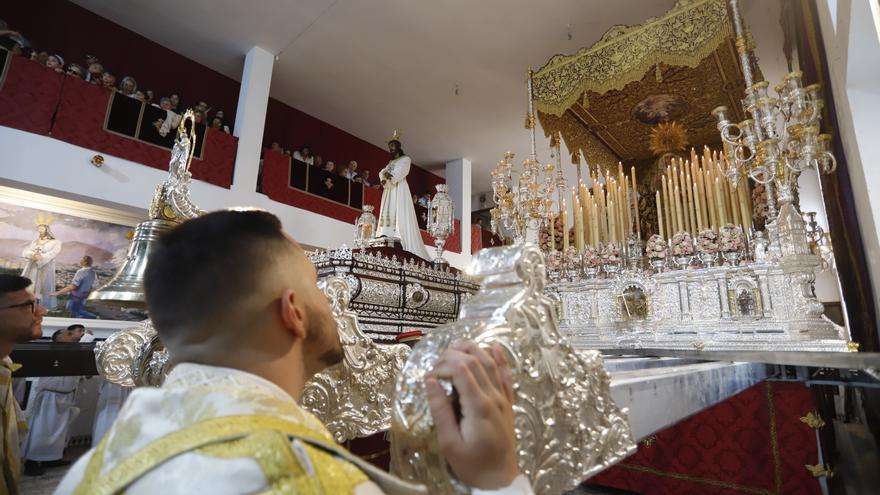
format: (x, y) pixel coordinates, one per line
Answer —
(250, 118)
(458, 178)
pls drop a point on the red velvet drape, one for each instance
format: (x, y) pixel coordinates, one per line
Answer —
(753, 442)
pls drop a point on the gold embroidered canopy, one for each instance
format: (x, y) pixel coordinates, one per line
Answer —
(684, 36)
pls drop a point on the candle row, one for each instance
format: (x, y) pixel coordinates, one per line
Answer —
(603, 213)
(697, 195)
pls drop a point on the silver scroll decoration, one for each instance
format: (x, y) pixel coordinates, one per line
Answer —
(568, 427)
(353, 398)
(133, 357)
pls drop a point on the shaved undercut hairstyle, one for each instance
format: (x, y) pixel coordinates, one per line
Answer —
(13, 283)
(202, 274)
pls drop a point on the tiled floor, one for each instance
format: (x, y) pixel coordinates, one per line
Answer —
(45, 484)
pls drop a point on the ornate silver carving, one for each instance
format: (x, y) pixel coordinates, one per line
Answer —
(567, 425)
(755, 306)
(391, 295)
(353, 398)
(121, 359)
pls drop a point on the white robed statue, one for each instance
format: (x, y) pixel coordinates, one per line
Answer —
(397, 214)
(40, 266)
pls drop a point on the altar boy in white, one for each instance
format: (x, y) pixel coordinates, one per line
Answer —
(51, 412)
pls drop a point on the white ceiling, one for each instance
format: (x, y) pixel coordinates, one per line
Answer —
(370, 66)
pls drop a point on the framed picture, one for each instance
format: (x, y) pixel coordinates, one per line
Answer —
(48, 239)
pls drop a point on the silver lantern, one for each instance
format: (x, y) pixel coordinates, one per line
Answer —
(365, 227)
(440, 221)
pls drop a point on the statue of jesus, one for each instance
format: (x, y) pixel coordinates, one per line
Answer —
(397, 214)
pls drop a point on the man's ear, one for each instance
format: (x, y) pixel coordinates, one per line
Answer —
(292, 315)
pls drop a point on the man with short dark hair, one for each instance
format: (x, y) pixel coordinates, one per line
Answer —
(236, 302)
(21, 320)
(79, 289)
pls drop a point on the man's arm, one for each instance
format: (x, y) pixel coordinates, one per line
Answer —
(74, 284)
(66, 290)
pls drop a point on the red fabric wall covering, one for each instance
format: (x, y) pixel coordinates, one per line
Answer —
(753, 442)
(80, 121)
(276, 176)
(293, 128)
(74, 32)
(28, 96)
(31, 94)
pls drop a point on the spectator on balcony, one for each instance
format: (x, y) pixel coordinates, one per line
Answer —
(96, 70)
(203, 107)
(330, 166)
(91, 59)
(175, 102)
(319, 162)
(149, 97)
(55, 62)
(40, 57)
(350, 171)
(276, 147)
(304, 154)
(217, 125)
(199, 116)
(108, 80)
(128, 86)
(75, 70)
(364, 178)
(171, 120)
(424, 200)
(219, 114)
(139, 95)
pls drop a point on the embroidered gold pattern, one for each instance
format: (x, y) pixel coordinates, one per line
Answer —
(684, 36)
(813, 420)
(334, 474)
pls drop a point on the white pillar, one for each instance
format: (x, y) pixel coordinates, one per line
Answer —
(250, 118)
(458, 178)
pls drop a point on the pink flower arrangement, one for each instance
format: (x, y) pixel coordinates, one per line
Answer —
(554, 260)
(760, 207)
(682, 244)
(731, 238)
(656, 248)
(707, 242)
(610, 253)
(591, 257)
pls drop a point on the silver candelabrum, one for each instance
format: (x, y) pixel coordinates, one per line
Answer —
(781, 139)
(441, 222)
(523, 204)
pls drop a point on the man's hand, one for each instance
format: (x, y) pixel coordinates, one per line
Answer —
(481, 447)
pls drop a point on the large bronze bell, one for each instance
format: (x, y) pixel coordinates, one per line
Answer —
(126, 288)
(171, 205)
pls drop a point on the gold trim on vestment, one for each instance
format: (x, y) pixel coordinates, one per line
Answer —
(218, 431)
